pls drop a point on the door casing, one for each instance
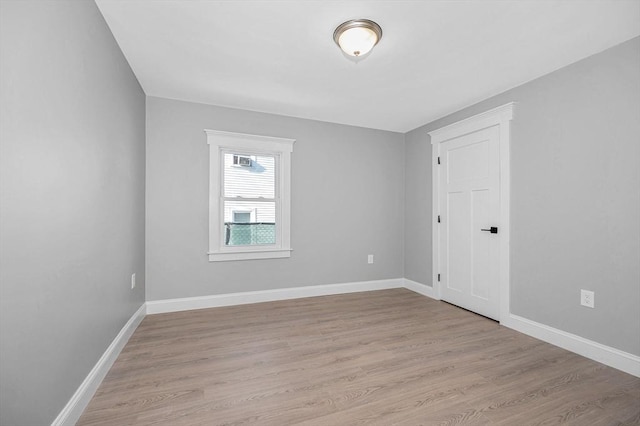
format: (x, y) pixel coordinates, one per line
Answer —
(501, 117)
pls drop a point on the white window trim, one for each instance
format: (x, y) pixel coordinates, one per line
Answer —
(219, 142)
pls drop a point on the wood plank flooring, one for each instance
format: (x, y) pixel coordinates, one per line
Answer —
(389, 357)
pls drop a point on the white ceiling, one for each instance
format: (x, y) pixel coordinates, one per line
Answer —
(435, 57)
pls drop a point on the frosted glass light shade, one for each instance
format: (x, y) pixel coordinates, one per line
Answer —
(357, 37)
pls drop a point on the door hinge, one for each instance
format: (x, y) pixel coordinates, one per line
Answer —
(438, 160)
(438, 277)
(438, 218)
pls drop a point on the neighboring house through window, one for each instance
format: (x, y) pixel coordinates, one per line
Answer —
(249, 196)
(241, 217)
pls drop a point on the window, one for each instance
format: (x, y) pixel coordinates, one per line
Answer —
(242, 217)
(242, 161)
(249, 196)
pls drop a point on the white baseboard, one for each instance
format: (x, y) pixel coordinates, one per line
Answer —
(422, 289)
(607, 355)
(218, 300)
(80, 399)
(612, 357)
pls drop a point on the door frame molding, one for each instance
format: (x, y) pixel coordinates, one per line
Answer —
(501, 117)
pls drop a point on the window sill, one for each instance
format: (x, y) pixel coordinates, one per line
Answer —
(249, 255)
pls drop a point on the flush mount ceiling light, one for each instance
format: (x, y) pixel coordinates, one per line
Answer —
(357, 36)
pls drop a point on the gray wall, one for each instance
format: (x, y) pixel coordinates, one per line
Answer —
(575, 199)
(417, 212)
(72, 189)
(72, 201)
(347, 202)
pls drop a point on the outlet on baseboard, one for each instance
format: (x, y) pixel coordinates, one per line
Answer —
(370, 258)
(133, 281)
(587, 298)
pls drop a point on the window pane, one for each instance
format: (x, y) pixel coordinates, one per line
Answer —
(249, 176)
(241, 217)
(249, 223)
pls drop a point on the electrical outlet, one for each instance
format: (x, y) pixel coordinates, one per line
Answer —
(587, 298)
(370, 259)
(133, 281)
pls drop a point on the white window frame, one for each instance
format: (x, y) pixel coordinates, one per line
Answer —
(281, 148)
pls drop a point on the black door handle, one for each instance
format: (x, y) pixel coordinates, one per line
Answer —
(493, 230)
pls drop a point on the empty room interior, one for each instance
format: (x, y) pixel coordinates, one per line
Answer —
(319, 212)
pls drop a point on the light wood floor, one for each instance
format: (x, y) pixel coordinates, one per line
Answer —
(376, 358)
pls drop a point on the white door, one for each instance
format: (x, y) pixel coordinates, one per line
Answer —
(469, 205)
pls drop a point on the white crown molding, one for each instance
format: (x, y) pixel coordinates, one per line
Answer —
(492, 117)
(218, 137)
(80, 399)
(230, 299)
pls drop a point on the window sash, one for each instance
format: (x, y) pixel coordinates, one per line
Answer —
(224, 243)
(277, 219)
(233, 186)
